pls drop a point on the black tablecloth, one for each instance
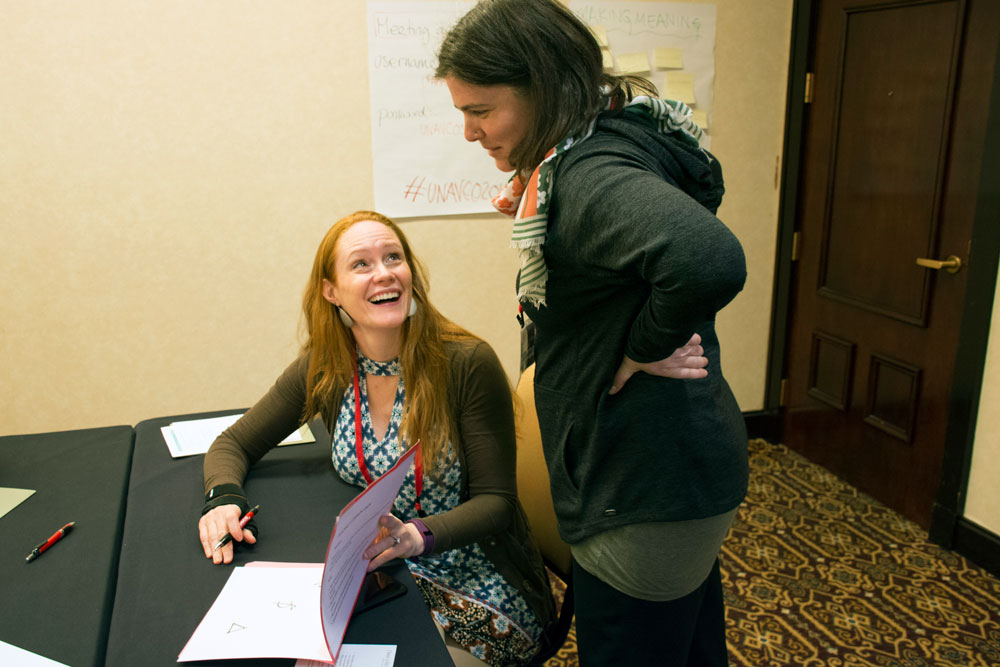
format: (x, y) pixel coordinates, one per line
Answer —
(59, 605)
(165, 583)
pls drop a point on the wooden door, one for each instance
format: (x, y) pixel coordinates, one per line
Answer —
(893, 144)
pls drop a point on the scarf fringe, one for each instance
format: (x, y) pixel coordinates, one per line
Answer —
(536, 300)
(528, 244)
(667, 116)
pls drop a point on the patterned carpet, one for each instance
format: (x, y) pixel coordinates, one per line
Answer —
(817, 574)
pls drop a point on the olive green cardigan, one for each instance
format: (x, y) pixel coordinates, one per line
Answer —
(481, 403)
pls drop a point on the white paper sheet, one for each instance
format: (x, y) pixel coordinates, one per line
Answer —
(263, 612)
(359, 655)
(421, 163)
(12, 656)
(195, 436)
(270, 610)
(11, 498)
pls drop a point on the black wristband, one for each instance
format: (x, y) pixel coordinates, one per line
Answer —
(226, 494)
(230, 494)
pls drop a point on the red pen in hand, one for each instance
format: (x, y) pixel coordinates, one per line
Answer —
(58, 535)
(227, 538)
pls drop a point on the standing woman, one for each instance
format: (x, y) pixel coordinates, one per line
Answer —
(622, 262)
(384, 369)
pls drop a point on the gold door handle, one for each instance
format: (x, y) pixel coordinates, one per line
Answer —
(952, 264)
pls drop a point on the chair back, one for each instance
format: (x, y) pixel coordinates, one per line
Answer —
(536, 498)
(533, 480)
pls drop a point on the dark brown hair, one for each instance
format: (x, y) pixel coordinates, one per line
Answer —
(541, 49)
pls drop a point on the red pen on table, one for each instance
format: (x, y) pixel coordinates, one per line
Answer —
(58, 535)
(227, 538)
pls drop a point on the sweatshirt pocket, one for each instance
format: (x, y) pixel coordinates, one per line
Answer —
(555, 421)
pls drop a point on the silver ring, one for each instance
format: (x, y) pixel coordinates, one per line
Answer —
(395, 540)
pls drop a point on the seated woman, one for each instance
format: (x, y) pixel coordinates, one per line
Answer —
(384, 369)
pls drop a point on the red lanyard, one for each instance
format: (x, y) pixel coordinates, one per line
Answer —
(418, 460)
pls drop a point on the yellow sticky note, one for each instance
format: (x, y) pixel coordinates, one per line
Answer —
(632, 63)
(669, 58)
(600, 34)
(679, 86)
(607, 61)
(700, 119)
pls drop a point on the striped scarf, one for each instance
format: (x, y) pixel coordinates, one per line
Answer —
(528, 202)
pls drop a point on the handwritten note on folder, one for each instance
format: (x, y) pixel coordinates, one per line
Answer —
(279, 610)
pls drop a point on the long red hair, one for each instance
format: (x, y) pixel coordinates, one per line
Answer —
(427, 416)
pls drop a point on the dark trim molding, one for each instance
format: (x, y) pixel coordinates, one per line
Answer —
(795, 120)
(978, 545)
(764, 424)
(946, 521)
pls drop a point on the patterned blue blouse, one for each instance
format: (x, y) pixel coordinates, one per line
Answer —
(464, 571)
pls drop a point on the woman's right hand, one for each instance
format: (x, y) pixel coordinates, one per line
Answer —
(686, 363)
(395, 539)
(214, 525)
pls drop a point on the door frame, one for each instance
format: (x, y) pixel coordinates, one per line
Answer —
(948, 527)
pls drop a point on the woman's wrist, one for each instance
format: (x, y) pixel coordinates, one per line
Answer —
(226, 494)
(425, 534)
(230, 494)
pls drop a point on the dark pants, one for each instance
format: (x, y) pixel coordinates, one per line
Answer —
(616, 629)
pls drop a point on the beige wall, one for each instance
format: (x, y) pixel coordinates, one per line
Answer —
(751, 75)
(982, 504)
(171, 169)
(168, 168)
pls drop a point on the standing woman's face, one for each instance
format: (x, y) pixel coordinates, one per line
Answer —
(498, 117)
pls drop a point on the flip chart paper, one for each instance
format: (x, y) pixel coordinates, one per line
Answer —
(422, 165)
(660, 30)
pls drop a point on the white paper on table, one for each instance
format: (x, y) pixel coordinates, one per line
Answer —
(195, 436)
(358, 655)
(11, 498)
(262, 612)
(12, 656)
(269, 610)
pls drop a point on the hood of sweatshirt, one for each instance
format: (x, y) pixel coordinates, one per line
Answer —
(692, 169)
